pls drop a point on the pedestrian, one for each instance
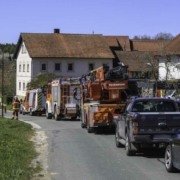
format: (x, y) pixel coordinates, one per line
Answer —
(16, 106)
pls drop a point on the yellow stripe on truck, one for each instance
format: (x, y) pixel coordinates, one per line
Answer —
(39, 98)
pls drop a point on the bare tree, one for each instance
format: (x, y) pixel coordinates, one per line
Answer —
(144, 37)
(163, 36)
(167, 64)
(151, 67)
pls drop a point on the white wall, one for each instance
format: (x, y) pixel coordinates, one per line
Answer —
(80, 66)
(23, 76)
(174, 69)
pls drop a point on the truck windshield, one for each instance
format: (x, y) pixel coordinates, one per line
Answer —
(153, 106)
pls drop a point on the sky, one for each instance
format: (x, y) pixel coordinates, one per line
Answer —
(106, 17)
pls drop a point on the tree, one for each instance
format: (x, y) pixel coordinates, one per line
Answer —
(163, 36)
(168, 65)
(41, 80)
(159, 36)
(9, 77)
(151, 67)
(145, 37)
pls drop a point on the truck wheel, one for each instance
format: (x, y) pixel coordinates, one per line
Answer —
(168, 160)
(48, 115)
(89, 129)
(129, 152)
(23, 112)
(118, 144)
(55, 115)
(83, 125)
(31, 113)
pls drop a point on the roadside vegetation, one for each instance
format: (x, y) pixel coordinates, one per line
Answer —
(16, 150)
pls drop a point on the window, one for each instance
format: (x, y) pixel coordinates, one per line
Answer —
(19, 67)
(23, 86)
(23, 67)
(19, 85)
(43, 67)
(27, 67)
(70, 66)
(57, 67)
(23, 49)
(91, 66)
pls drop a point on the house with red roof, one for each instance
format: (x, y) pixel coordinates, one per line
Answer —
(67, 55)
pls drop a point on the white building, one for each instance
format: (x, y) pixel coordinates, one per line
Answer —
(68, 55)
(169, 61)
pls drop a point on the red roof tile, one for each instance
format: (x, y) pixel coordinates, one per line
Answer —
(149, 45)
(136, 60)
(118, 41)
(174, 46)
(66, 45)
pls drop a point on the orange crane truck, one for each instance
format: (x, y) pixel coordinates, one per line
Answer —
(60, 102)
(103, 96)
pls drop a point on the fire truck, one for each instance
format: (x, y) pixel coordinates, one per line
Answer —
(103, 96)
(60, 99)
(34, 102)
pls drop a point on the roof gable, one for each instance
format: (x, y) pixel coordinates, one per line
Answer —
(174, 46)
(118, 41)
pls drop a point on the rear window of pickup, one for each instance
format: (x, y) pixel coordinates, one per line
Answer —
(153, 106)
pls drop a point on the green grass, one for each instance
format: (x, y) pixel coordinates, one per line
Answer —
(8, 107)
(16, 150)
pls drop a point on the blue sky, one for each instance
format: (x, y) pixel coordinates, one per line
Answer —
(107, 17)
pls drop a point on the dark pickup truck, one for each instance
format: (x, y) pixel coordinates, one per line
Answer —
(146, 122)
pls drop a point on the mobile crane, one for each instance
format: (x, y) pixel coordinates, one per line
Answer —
(103, 96)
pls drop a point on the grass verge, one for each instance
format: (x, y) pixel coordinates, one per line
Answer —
(16, 150)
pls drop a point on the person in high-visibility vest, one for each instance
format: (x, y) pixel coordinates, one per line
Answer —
(16, 106)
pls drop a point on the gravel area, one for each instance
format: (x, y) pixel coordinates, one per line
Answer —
(41, 145)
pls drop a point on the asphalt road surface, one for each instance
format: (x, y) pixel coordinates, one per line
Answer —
(75, 154)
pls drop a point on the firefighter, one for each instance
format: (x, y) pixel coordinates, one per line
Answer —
(16, 106)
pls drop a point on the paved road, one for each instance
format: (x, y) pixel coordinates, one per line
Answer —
(76, 155)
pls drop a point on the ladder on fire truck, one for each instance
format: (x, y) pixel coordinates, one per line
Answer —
(65, 83)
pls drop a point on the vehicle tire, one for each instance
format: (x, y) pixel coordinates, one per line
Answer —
(129, 152)
(48, 115)
(31, 113)
(89, 129)
(55, 115)
(83, 125)
(168, 160)
(23, 112)
(118, 144)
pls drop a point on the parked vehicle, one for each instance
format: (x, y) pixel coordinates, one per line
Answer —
(146, 122)
(34, 103)
(102, 96)
(60, 99)
(172, 153)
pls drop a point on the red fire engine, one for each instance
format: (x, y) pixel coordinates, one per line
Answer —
(60, 102)
(34, 103)
(102, 96)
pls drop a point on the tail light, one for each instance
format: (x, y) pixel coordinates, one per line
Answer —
(135, 126)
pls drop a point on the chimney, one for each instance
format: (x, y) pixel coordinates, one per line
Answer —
(57, 31)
